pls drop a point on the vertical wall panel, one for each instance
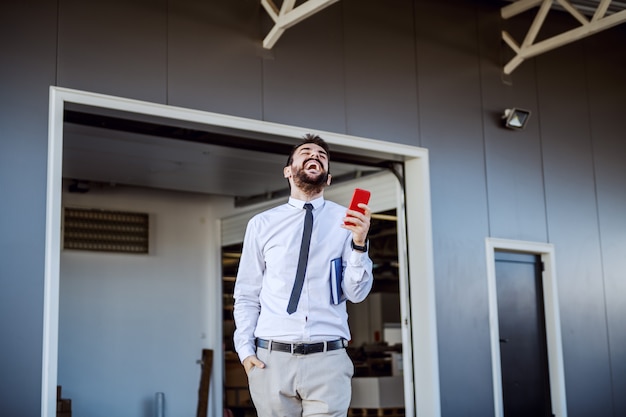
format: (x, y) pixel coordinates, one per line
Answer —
(303, 75)
(513, 157)
(381, 94)
(115, 47)
(27, 45)
(451, 128)
(573, 228)
(606, 65)
(214, 56)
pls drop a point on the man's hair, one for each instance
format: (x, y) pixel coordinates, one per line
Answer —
(309, 138)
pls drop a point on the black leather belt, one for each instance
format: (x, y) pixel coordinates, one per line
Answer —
(302, 348)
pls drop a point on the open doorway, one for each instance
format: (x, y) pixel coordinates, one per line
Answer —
(415, 251)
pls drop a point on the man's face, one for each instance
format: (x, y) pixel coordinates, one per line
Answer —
(309, 168)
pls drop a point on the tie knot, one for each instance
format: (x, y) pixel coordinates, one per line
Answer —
(308, 207)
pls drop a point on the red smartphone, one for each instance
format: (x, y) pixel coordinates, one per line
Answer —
(359, 196)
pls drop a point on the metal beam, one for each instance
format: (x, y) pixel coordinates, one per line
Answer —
(529, 48)
(518, 7)
(289, 16)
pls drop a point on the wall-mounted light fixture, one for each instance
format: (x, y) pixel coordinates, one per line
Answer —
(516, 118)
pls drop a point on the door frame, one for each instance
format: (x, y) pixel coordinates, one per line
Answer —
(419, 321)
(552, 320)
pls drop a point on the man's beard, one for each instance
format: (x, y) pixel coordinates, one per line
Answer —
(310, 185)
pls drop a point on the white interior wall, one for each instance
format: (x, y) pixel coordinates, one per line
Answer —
(134, 325)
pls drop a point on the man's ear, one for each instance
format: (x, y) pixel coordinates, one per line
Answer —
(287, 172)
(330, 177)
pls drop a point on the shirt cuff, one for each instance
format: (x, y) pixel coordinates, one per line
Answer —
(245, 352)
(357, 258)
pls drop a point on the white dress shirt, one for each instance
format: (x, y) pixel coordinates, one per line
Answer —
(267, 271)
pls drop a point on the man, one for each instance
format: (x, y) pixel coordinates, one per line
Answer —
(291, 334)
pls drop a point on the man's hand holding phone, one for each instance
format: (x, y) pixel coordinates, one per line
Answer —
(358, 216)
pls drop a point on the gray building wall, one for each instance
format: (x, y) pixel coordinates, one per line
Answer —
(27, 69)
(425, 73)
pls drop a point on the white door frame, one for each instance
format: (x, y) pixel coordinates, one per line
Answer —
(423, 398)
(552, 317)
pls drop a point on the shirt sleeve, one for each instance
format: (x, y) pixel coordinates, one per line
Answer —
(247, 306)
(357, 274)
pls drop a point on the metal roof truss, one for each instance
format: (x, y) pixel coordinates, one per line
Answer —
(288, 15)
(593, 16)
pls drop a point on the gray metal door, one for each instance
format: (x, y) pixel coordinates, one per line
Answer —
(523, 347)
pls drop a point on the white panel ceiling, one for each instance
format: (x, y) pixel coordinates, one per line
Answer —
(102, 155)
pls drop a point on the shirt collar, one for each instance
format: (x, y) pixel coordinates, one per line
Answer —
(317, 203)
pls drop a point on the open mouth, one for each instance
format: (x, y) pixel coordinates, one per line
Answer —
(312, 165)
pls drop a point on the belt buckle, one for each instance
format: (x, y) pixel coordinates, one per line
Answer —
(298, 349)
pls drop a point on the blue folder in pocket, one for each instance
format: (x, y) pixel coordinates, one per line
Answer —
(336, 276)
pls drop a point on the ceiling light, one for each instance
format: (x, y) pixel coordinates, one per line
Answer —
(516, 118)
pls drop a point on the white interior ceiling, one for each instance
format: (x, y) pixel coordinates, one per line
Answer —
(116, 157)
(103, 156)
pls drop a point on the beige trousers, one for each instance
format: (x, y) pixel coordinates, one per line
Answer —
(317, 384)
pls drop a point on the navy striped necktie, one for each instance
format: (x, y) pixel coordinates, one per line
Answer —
(302, 260)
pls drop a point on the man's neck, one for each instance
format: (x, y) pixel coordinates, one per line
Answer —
(302, 196)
